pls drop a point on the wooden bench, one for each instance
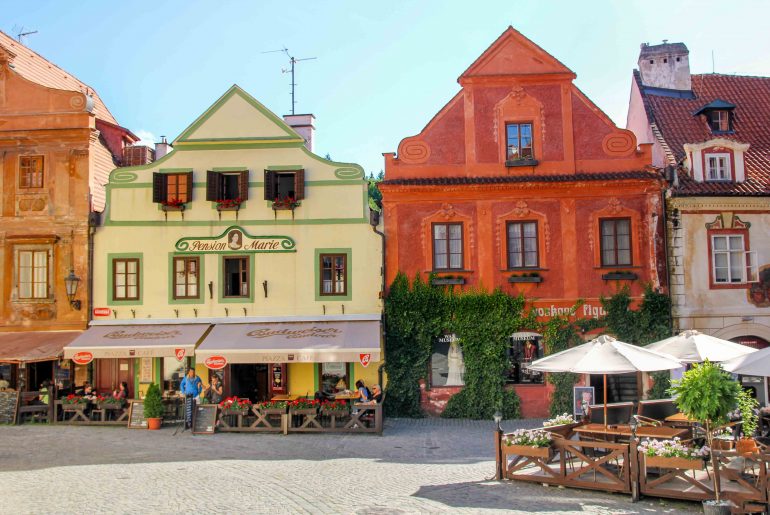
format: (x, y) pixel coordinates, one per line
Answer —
(37, 412)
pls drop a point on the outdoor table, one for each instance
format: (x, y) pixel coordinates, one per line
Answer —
(284, 397)
(345, 396)
(663, 433)
(680, 418)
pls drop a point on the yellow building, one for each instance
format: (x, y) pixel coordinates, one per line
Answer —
(245, 246)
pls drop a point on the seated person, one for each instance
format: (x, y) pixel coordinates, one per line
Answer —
(362, 392)
(4, 384)
(89, 392)
(376, 395)
(121, 393)
(44, 396)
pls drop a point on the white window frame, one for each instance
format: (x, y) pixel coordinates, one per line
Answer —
(723, 119)
(726, 169)
(17, 273)
(750, 270)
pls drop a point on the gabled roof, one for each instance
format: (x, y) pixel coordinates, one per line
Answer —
(514, 54)
(36, 68)
(674, 125)
(238, 117)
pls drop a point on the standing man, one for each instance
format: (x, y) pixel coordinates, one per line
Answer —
(191, 387)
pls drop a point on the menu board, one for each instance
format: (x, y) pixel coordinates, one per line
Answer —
(204, 419)
(145, 370)
(136, 418)
(9, 400)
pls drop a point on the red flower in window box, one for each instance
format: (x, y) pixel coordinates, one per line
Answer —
(287, 202)
(173, 202)
(234, 203)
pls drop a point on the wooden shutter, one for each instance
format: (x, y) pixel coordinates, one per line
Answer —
(243, 185)
(269, 185)
(159, 187)
(299, 184)
(213, 186)
(189, 186)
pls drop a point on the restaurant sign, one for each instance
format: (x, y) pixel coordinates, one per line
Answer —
(83, 358)
(365, 359)
(215, 362)
(235, 239)
(179, 353)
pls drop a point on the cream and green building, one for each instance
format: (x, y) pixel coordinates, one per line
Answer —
(242, 251)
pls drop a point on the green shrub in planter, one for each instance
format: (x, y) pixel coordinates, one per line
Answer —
(153, 405)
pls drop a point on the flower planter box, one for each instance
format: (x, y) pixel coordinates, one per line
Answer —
(525, 279)
(303, 411)
(521, 162)
(525, 450)
(109, 405)
(620, 276)
(674, 463)
(564, 430)
(228, 411)
(440, 281)
(337, 412)
(73, 407)
(173, 208)
(272, 411)
(228, 208)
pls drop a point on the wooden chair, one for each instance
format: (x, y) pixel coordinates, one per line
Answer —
(37, 412)
(618, 413)
(654, 412)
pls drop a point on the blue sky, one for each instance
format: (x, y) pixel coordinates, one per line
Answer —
(383, 69)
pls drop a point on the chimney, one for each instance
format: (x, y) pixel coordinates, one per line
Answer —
(162, 148)
(303, 125)
(665, 66)
(137, 155)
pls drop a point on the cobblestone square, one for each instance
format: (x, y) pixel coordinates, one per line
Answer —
(417, 466)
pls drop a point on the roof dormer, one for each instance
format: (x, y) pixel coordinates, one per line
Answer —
(716, 160)
(719, 116)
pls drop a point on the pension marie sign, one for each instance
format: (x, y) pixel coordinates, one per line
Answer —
(235, 239)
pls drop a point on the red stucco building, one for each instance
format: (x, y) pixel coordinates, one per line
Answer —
(522, 183)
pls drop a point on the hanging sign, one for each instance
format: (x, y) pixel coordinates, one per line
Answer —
(215, 362)
(102, 312)
(364, 359)
(235, 239)
(83, 358)
(179, 353)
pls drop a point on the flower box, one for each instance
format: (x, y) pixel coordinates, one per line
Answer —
(620, 276)
(228, 208)
(74, 407)
(110, 405)
(303, 411)
(521, 162)
(272, 411)
(166, 208)
(440, 281)
(232, 411)
(564, 430)
(525, 279)
(529, 451)
(674, 462)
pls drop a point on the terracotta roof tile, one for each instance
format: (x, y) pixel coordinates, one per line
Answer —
(32, 66)
(506, 179)
(676, 124)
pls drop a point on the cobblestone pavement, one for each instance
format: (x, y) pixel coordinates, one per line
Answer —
(418, 466)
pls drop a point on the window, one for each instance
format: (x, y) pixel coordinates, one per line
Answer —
(284, 185)
(616, 242)
(227, 185)
(236, 276)
(173, 373)
(186, 277)
(731, 262)
(125, 279)
(719, 121)
(169, 188)
(334, 377)
(521, 353)
(334, 274)
(32, 274)
(519, 141)
(718, 167)
(448, 246)
(522, 245)
(447, 367)
(30, 172)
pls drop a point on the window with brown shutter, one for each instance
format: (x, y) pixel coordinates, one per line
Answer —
(178, 187)
(284, 185)
(227, 185)
(158, 188)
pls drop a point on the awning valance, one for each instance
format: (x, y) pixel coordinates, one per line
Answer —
(306, 342)
(138, 341)
(32, 346)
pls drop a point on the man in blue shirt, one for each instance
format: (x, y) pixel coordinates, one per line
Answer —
(191, 387)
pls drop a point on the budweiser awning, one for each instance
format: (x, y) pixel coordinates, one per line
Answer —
(29, 347)
(136, 341)
(287, 342)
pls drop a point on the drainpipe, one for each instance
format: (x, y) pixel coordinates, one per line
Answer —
(93, 221)
(665, 250)
(374, 220)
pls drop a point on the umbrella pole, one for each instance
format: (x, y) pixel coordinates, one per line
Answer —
(605, 400)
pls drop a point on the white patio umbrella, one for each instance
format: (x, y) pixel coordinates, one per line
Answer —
(605, 355)
(694, 347)
(754, 364)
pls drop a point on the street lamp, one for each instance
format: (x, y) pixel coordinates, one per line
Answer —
(498, 417)
(71, 283)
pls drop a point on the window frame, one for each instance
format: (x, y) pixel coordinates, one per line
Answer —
(347, 375)
(247, 261)
(522, 238)
(615, 249)
(114, 273)
(33, 283)
(215, 184)
(174, 284)
(727, 120)
(449, 266)
(321, 274)
(521, 157)
(41, 172)
(728, 166)
(272, 179)
(179, 193)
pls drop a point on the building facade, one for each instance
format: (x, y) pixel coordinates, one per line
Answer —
(711, 131)
(58, 143)
(522, 183)
(240, 251)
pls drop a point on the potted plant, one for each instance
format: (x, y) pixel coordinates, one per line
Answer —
(235, 406)
(672, 454)
(747, 406)
(534, 443)
(707, 394)
(153, 407)
(561, 425)
(229, 204)
(173, 204)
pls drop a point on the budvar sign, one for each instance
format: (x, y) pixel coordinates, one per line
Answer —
(312, 332)
(235, 239)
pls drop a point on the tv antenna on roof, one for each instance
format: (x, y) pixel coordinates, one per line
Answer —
(292, 62)
(20, 33)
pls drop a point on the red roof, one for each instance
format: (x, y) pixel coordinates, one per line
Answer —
(673, 117)
(508, 179)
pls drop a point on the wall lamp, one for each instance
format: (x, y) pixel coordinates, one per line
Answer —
(71, 283)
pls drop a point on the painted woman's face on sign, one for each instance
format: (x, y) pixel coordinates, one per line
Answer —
(234, 240)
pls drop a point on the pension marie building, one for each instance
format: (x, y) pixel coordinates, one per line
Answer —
(240, 251)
